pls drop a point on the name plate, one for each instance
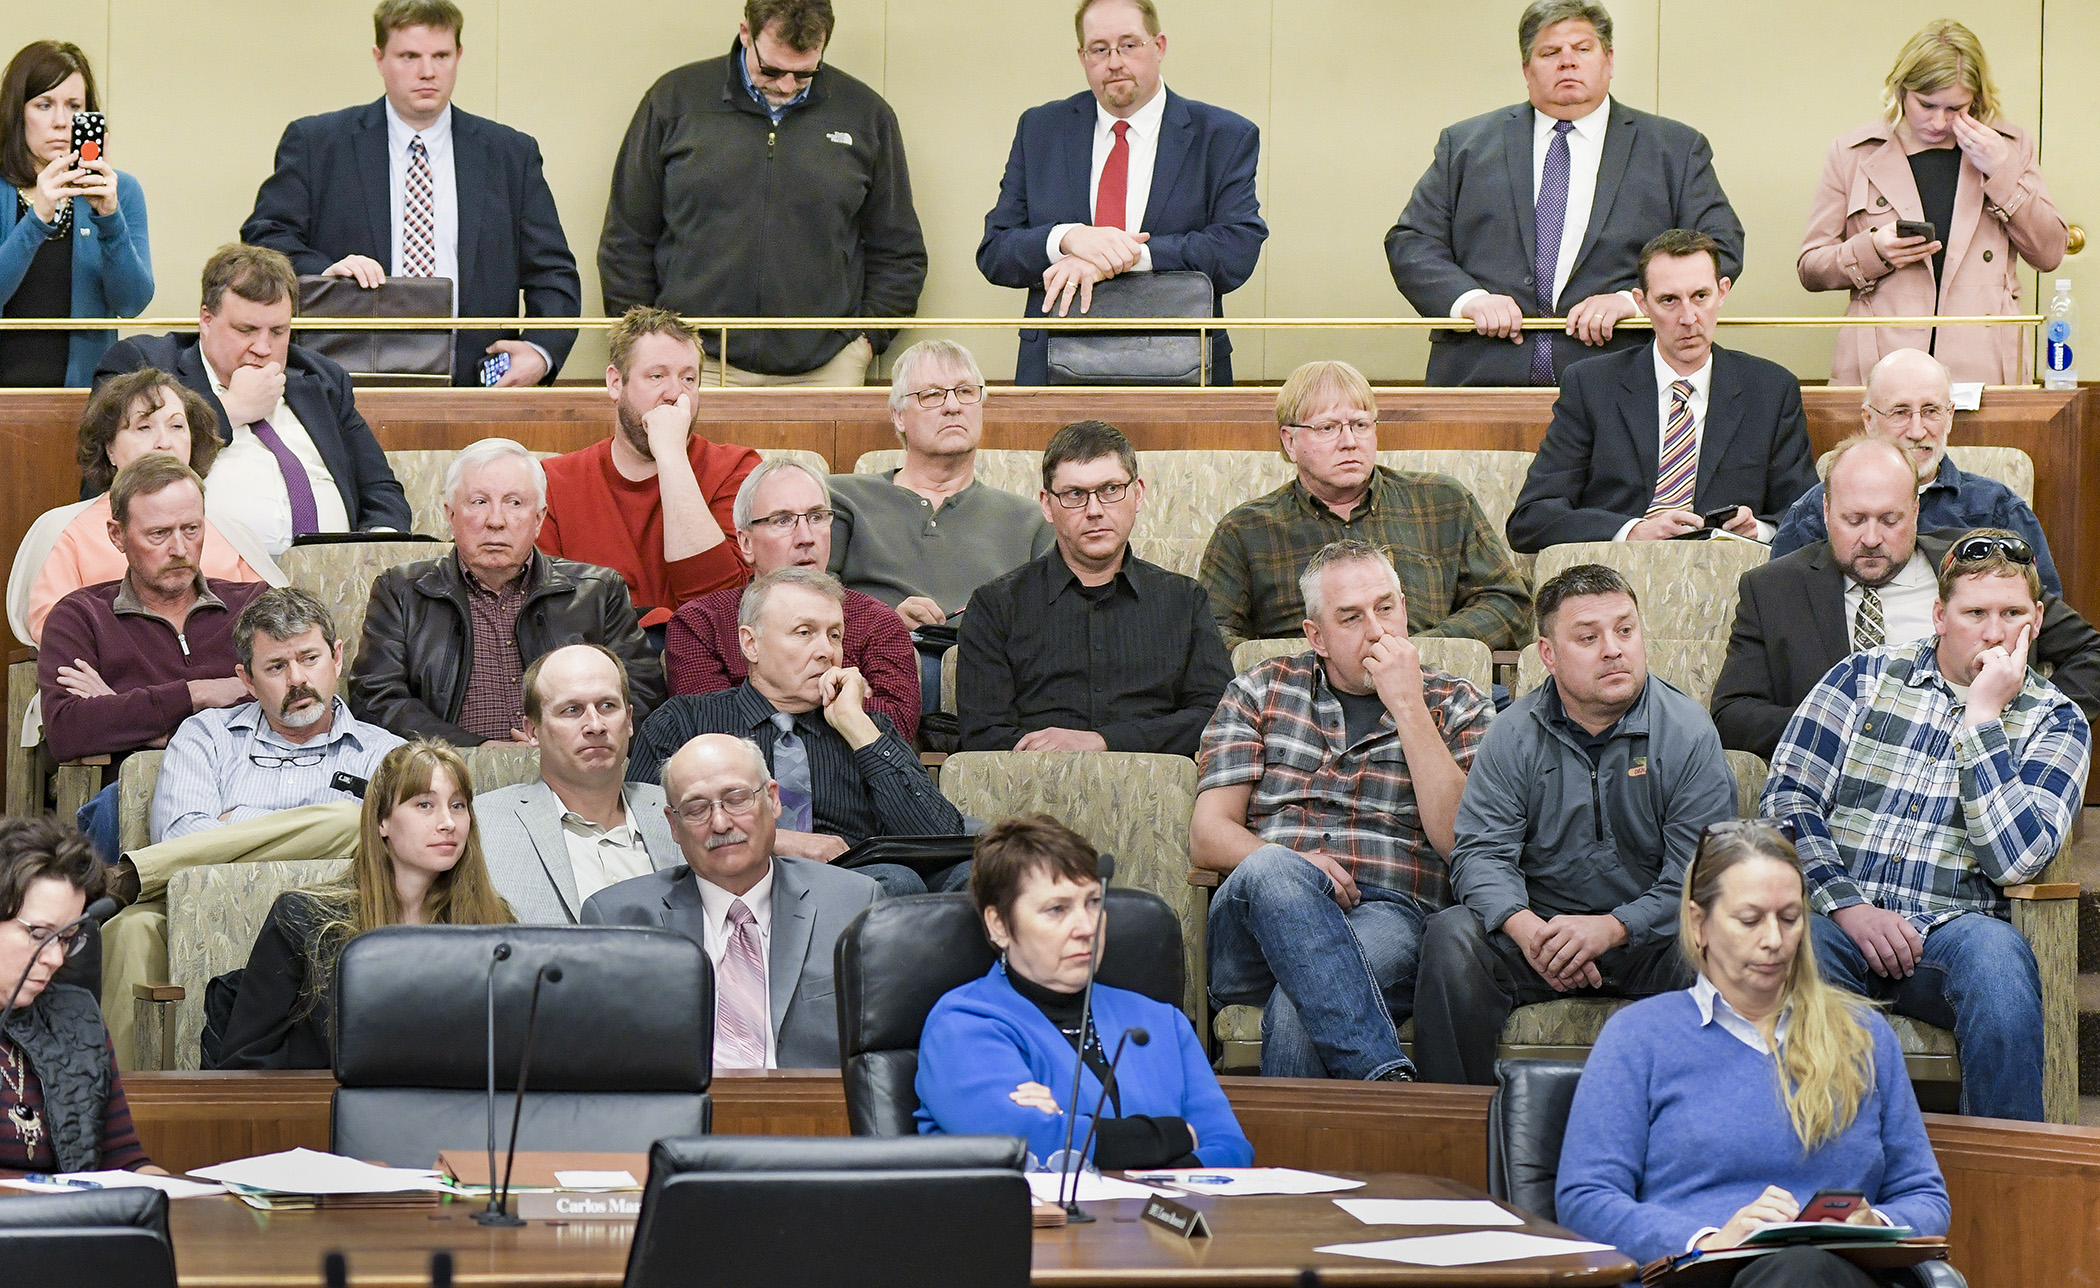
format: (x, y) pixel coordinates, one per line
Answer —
(572, 1206)
(1177, 1219)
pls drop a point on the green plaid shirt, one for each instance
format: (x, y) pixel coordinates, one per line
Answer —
(1454, 567)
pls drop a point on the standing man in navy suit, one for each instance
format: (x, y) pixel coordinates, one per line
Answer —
(1130, 178)
(413, 187)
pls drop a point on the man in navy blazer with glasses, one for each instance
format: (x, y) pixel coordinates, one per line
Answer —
(412, 186)
(1129, 177)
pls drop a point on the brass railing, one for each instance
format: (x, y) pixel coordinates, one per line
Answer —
(1007, 323)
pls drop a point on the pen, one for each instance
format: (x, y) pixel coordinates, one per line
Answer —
(46, 1178)
(1208, 1180)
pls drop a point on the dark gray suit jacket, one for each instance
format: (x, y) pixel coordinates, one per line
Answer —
(812, 903)
(528, 856)
(1790, 630)
(1470, 221)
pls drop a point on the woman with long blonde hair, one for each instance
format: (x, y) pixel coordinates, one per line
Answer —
(418, 862)
(1704, 1114)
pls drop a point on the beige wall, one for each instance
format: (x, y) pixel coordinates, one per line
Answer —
(1349, 95)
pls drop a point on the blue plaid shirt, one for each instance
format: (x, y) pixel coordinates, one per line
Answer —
(1894, 803)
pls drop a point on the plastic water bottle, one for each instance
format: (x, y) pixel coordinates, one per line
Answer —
(2059, 340)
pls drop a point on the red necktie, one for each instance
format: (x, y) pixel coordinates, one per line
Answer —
(1115, 181)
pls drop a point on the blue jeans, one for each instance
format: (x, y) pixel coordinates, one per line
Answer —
(1976, 976)
(98, 821)
(896, 879)
(1335, 986)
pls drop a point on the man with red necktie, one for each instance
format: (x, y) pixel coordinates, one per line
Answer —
(1129, 177)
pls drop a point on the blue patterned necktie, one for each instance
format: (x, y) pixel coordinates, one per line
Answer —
(791, 771)
(1550, 218)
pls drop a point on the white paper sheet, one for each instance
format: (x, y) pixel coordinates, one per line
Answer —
(173, 1186)
(309, 1171)
(1968, 394)
(620, 1180)
(1473, 1248)
(1248, 1180)
(1428, 1212)
(1092, 1186)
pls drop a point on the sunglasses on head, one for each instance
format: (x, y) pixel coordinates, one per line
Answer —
(1734, 826)
(1978, 548)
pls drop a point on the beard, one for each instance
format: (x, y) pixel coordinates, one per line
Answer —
(1896, 561)
(304, 718)
(636, 433)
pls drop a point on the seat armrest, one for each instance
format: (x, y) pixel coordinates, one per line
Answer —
(159, 992)
(153, 1024)
(2038, 891)
(1203, 878)
(86, 760)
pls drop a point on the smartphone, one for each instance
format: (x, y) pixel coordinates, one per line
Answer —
(1832, 1205)
(493, 368)
(1720, 518)
(1916, 228)
(89, 131)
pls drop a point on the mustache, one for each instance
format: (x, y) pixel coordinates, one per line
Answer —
(717, 840)
(297, 692)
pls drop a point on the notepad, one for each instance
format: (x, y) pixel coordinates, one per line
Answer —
(1247, 1180)
(1473, 1248)
(173, 1186)
(1429, 1212)
(1092, 1186)
(622, 1180)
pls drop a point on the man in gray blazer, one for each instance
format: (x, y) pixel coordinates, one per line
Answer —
(1541, 210)
(768, 923)
(554, 842)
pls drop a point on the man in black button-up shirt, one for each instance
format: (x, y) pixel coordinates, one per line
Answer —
(1089, 648)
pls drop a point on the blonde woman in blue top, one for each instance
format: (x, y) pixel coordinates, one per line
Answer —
(997, 1054)
(1706, 1113)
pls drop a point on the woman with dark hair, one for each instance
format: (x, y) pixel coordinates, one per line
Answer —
(418, 863)
(73, 244)
(68, 548)
(1706, 1113)
(993, 1050)
(62, 1106)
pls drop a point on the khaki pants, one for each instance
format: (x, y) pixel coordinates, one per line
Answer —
(135, 941)
(848, 369)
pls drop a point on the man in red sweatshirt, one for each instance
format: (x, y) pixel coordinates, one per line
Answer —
(652, 502)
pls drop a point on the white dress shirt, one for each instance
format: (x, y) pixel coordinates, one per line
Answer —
(245, 485)
(1143, 137)
(1906, 603)
(599, 857)
(714, 906)
(444, 192)
(1702, 389)
(1585, 154)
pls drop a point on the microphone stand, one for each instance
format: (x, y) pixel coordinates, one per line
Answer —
(548, 973)
(1132, 1034)
(492, 1215)
(1105, 868)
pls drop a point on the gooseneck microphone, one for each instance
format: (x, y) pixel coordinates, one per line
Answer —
(98, 911)
(493, 1215)
(549, 973)
(1131, 1034)
(1105, 869)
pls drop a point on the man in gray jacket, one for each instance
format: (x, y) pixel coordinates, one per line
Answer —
(1584, 804)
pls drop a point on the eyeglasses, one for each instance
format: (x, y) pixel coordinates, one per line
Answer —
(1362, 427)
(964, 394)
(1976, 549)
(786, 519)
(297, 760)
(700, 811)
(1930, 415)
(1076, 498)
(69, 943)
(1100, 50)
(770, 72)
(1736, 827)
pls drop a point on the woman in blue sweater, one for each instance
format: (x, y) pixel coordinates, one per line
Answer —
(994, 1049)
(1704, 1114)
(73, 241)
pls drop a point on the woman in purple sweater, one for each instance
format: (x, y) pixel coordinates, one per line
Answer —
(1705, 1114)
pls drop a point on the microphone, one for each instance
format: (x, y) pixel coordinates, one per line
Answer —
(491, 1215)
(441, 1269)
(1105, 869)
(1131, 1034)
(548, 973)
(98, 911)
(335, 1270)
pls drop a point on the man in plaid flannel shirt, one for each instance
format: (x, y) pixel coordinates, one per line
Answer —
(1920, 779)
(1328, 786)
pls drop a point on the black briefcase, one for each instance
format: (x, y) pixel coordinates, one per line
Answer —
(1137, 357)
(924, 855)
(405, 357)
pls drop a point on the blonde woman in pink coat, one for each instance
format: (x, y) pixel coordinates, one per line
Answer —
(1939, 155)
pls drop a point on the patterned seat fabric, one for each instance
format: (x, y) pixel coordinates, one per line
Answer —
(1008, 469)
(2008, 465)
(1691, 665)
(1467, 659)
(1686, 589)
(342, 575)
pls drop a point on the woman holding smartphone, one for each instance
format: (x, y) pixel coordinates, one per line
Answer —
(73, 241)
(1930, 210)
(1705, 1114)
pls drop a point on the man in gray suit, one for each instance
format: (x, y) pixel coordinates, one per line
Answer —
(553, 843)
(768, 923)
(1541, 210)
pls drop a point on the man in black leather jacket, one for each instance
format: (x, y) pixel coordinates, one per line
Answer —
(447, 640)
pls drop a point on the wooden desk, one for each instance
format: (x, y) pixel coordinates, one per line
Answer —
(221, 1243)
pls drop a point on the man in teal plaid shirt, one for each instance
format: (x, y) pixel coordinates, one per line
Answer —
(1921, 780)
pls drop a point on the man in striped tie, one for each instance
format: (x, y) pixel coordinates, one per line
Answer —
(1674, 438)
(768, 923)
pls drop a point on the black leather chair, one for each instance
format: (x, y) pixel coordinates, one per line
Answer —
(623, 1056)
(1527, 1120)
(90, 1237)
(901, 955)
(761, 1211)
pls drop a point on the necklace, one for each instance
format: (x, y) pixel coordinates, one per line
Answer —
(28, 1124)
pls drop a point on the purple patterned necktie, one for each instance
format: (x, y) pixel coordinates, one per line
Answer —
(741, 1013)
(297, 486)
(1549, 218)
